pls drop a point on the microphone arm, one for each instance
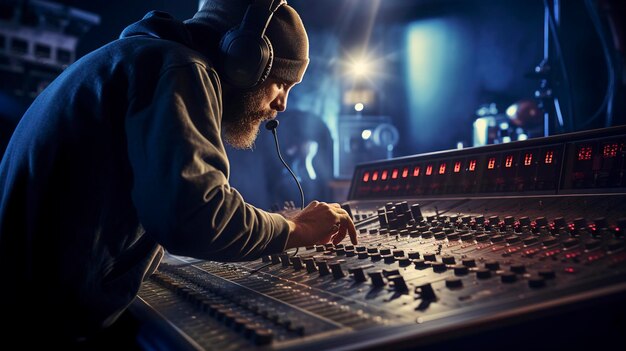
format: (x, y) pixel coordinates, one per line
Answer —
(272, 125)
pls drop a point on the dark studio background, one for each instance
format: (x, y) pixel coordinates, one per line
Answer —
(433, 64)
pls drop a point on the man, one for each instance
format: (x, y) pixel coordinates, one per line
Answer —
(122, 155)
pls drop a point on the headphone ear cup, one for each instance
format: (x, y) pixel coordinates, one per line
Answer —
(245, 59)
(270, 62)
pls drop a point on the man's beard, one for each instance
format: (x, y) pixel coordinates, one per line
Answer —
(243, 114)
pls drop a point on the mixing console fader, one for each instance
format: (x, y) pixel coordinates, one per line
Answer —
(501, 245)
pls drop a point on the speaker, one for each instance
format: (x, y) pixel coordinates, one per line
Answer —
(362, 139)
(246, 54)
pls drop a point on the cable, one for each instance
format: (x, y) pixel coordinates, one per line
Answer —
(609, 96)
(564, 73)
(271, 125)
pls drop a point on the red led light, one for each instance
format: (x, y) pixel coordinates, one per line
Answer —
(375, 176)
(366, 177)
(549, 157)
(442, 168)
(394, 173)
(610, 150)
(492, 163)
(472, 165)
(405, 172)
(429, 170)
(508, 163)
(457, 167)
(528, 159)
(585, 153)
(384, 175)
(416, 171)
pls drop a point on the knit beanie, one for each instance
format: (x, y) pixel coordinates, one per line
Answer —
(285, 31)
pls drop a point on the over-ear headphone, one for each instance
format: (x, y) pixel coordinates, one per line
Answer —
(246, 54)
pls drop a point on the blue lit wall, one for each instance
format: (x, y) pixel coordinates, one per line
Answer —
(457, 58)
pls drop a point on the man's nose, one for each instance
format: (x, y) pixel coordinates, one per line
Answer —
(280, 102)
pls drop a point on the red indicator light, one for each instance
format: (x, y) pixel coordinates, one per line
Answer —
(457, 167)
(492, 163)
(375, 176)
(394, 173)
(570, 270)
(610, 150)
(585, 153)
(384, 175)
(405, 172)
(528, 159)
(442, 168)
(472, 165)
(429, 170)
(366, 177)
(549, 157)
(416, 171)
(508, 163)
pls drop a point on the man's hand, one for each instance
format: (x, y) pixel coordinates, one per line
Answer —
(319, 223)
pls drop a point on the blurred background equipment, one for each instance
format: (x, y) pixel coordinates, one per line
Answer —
(38, 39)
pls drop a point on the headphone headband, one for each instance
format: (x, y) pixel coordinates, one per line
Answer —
(246, 54)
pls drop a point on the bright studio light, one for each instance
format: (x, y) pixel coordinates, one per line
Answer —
(358, 107)
(360, 67)
(366, 134)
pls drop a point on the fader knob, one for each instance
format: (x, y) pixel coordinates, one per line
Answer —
(518, 268)
(439, 267)
(492, 265)
(479, 219)
(524, 221)
(358, 274)
(541, 222)
(448, 259)
(297, 263)
(461, 270)
(559, 222)
(310, 265)
(399, 285)
(426, 292)
(454, 283)
(600, 223)
(404, 261)
(416, 212)
(508, 277)
(580, 223)
(469, 262)
(377, 278)
(429, 256)
(337, 271)
(322, 267)
(509, 220)
(483, 273)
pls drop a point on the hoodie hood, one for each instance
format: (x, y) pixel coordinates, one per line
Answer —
(162, 25)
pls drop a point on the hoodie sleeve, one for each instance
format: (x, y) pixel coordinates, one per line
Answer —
(180, 169)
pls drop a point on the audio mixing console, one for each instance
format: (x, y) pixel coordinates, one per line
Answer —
(451, 244)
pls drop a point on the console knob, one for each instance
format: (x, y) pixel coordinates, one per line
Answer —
(337, 271)
(426, 292)
(377, 278)
(322, 267)
(454, 283)
(399, 284)
(483, 273)
(310, 265)
(297, 263)
(358, 274)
